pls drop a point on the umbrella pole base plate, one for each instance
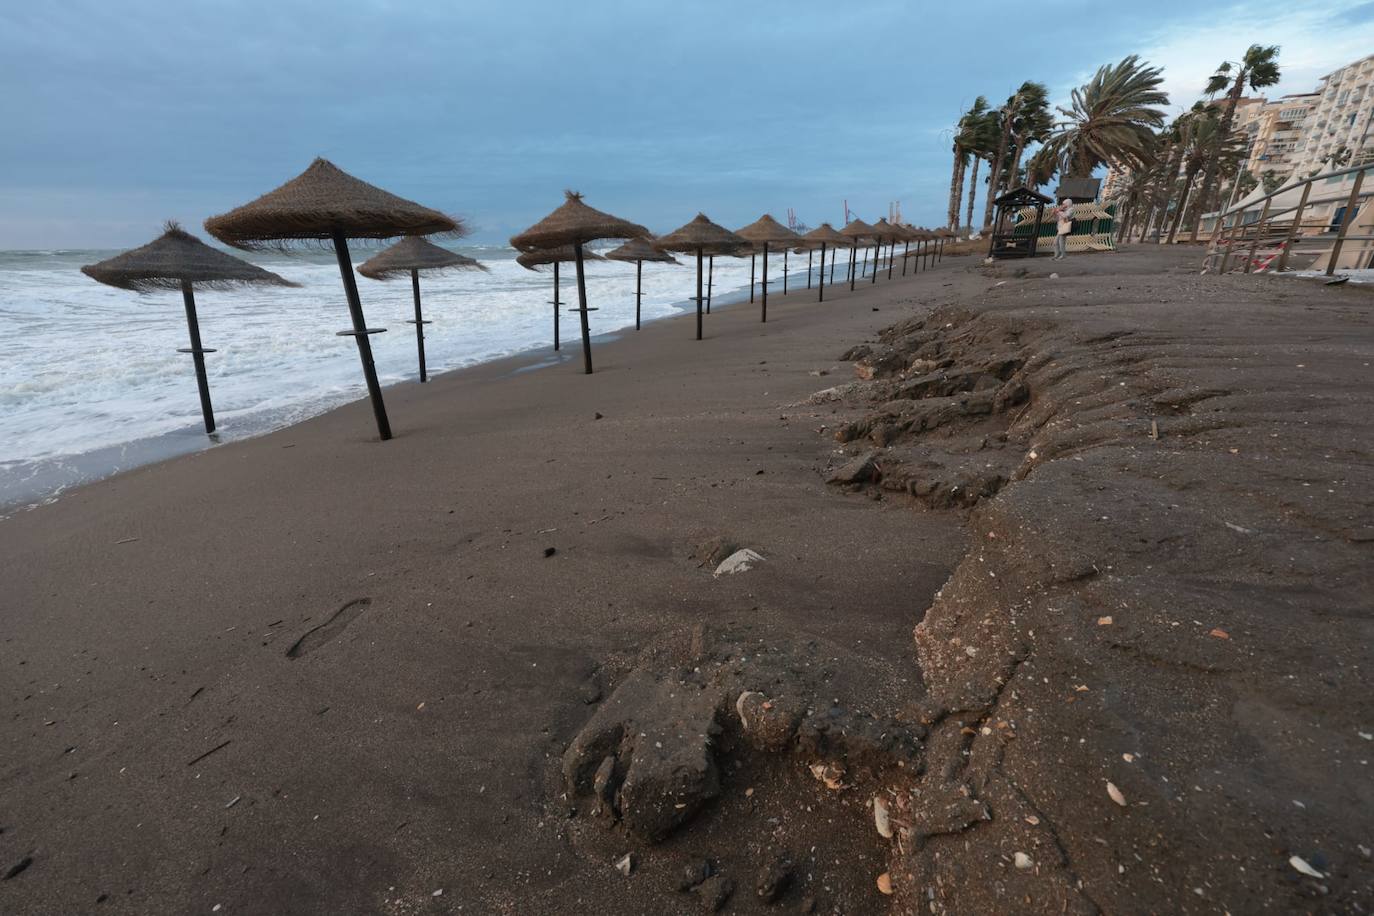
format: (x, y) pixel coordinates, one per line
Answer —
(195, 350)
(363, 333)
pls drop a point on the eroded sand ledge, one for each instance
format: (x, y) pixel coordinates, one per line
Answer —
(1140, 677)
(1183, 455)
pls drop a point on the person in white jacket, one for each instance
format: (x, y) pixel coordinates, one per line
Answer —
(1064, 215)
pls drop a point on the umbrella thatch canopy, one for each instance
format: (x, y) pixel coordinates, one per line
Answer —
(763, 232)
(411, 255)
(542, 257)
(857, 230)
(321, 202)
(325, 202)
(824, 236)
(536, 258)
(703, 237)
(638, 251)
(178, 260)
(574, 223)
(174, 259)
(415, 253)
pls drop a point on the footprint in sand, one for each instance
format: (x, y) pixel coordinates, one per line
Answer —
(317, 636)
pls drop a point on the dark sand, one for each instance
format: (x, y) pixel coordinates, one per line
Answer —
(124, 660)
(363, 756)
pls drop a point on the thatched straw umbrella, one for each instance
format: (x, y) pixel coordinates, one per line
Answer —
(823, 237)
(639, 251)
(574, 223)
(411, 255)
(533, 260)
(883, 232)
(704, 238)
(944, 234)
(178, 260)
(856, 231)
(326, 203)
(761, 232)
(907, 235)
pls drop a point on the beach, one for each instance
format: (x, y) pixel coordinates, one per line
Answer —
(314, 672)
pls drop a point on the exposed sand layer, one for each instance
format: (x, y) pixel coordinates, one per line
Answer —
(1127, 512)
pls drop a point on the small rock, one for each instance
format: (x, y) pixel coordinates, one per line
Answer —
(693, 874)
(880, 817)
(550, 551)
(857, 470)
(1116, 795)
(885, 884)
(774, 877)
(1054, 276)
(1104, 621)
(598, 417)
(738, 562)
(1023, 861)
(712, 551)
(625, 864)
(714, 891)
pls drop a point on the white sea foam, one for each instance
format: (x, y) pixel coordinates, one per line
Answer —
(86, 367)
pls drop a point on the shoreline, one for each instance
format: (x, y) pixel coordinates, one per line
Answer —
(28, 484)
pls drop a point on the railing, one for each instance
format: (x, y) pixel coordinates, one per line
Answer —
(1280, 228)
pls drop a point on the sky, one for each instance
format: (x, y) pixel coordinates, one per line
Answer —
(118, 116)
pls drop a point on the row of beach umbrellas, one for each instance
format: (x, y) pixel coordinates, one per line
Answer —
(326, 204)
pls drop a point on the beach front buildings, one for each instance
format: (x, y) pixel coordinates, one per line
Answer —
(1336, 131)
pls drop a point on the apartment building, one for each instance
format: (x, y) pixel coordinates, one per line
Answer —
(1336, 130)
(1274, 134)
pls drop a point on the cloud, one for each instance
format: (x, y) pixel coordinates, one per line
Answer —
(1309, 46)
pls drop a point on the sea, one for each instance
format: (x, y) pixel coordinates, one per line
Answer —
(91, 382)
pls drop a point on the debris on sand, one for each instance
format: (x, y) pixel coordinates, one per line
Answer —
(885, 884)
(1116, 795)
(625, 864)
(1023, 861)
(881, 819)
(738, 562)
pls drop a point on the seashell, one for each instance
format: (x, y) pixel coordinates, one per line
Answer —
(1023, 861)
(880, 818)
(1116, 795)
(885, 884)
(1299, 864)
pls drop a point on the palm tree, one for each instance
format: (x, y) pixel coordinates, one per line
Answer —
(1259, 67)
(1023, 118)
(966, 143)
(1112, 119)
(1031, 123)
(983, 143)
(1203, 143)
(1163, 174)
